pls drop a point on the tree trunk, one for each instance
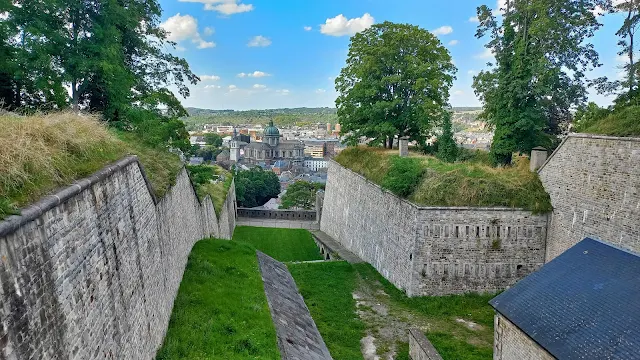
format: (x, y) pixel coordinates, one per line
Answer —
(74, 95)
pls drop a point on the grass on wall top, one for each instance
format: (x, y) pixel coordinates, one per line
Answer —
(428, 181)
(203, 176)
(41, 153)
(624, 123)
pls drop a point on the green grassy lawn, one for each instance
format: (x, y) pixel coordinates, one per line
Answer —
(221, 311)
(453, 340)
(327, 288)
(280, 244)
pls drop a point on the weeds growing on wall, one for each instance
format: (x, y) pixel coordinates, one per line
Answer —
(463, 183)
(43, 152)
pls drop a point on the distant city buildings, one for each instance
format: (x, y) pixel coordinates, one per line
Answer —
(315, 164)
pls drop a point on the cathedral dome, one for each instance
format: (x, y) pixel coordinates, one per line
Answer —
(271, 130)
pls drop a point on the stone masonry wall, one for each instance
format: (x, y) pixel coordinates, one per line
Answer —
(431, 251)
(370, 222)
(92, 271)
(511, 343)
(478, 249)
(594, 184)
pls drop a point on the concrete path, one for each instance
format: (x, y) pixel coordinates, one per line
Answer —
(336, 247)
(272, 223)
(298, 336)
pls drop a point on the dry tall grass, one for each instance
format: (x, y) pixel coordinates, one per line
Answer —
(455, 184)
(43, 152)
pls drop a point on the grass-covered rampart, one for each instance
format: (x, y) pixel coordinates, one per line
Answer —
(41, 153)
(427, 181)
(213, 181)
(624, 122)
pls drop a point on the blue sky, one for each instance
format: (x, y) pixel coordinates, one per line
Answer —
(257, 54)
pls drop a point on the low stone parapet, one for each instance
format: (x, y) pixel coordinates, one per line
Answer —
(420, 348)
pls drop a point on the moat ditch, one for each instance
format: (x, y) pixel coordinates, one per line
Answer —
(359, 314)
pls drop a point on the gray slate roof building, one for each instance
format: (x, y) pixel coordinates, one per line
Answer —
(584, 304)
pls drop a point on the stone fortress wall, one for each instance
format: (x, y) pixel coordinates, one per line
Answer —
(594, 184)
(431, 251)
(92, 271)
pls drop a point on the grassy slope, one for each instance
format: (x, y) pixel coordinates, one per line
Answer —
(327, 288)
(41, 153)
(625, 122)
(221, 311)
(280, 244)
(457, 184)
(452, 340)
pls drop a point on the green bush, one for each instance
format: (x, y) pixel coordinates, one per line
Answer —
(404, 175)
(201, 174)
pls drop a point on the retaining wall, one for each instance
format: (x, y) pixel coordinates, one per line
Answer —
(298, 215)
(92, 271)
(420, 348)
(436, 250)
(594, 184)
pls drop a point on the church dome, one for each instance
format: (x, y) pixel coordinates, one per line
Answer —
(271, 130)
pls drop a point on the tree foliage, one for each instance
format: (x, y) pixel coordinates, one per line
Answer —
(109, 53)
(256, 186)
(539, 75)
(447, 147)
(212, 139)
(396, 83)
(301, 195)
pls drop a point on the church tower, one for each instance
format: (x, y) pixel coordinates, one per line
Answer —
(234, 147)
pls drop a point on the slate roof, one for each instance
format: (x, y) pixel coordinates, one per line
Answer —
(584, 304)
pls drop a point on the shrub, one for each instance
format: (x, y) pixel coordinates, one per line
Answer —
(404, 175)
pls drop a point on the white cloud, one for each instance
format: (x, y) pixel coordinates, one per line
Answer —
(453, 42)
(232, 88)
(486, 54)
(255, 74)
(458, 92)
(321, 91)
(307, 28)
(181, 28)
(259, 41)
(443, 30)
(209, 77)
(208, 31)
(212, 87)
(206, 44)
(225, 7)
(259, 86)
(283, 92)
(474, 19)
(471, 72)
(341, 26)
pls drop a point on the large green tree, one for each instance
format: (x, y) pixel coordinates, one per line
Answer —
(301, 195)
(109, 53)
(256, 186)
(396, 83)
(539, 75)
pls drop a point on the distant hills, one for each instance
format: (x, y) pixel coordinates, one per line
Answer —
(282, 117)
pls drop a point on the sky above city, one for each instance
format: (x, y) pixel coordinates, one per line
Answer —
(263, 54)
